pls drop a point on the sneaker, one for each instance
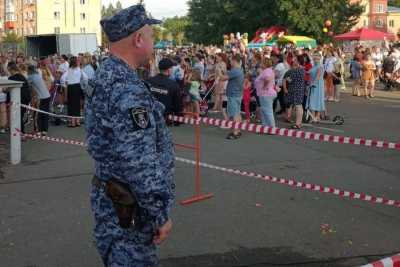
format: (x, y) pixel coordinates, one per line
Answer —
(3, 131)
(44, 133)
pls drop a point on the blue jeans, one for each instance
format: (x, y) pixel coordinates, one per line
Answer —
(267, 111)
(234, 104)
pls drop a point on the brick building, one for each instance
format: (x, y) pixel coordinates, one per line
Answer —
(379, 16)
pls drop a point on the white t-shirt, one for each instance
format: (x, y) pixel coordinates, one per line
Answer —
(280, 70)
(377, 58)
(73, 76)
(330, 64)
(63, 67)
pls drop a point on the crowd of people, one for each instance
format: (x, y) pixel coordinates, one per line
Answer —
(47, 81)
(261, 83)
(273, 82)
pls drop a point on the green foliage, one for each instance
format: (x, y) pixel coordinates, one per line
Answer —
(395, 3)
(12, 38)
(176, 26)
(108, 12)
(341, 13)
(158, 33)
(211, 19)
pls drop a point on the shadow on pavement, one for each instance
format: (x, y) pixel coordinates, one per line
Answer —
(260, 257)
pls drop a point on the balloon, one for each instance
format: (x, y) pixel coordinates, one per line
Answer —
(328, 23)
(325, 30)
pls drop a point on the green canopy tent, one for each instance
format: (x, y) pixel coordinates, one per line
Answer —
(262, 44)
(299, 41)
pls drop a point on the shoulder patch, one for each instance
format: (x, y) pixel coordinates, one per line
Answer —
(140, 118)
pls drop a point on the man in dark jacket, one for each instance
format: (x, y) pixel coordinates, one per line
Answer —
(165, 89)
(388, 68)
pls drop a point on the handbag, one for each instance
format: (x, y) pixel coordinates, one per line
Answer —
(84, 83)
(337, 80)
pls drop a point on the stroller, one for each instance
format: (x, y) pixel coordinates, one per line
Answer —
(55, 106)
(205, 103)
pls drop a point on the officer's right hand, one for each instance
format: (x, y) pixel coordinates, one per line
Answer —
(163, 232)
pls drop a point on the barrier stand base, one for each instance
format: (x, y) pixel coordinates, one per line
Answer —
(196, 199)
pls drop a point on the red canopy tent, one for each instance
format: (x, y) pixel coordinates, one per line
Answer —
(364, 34)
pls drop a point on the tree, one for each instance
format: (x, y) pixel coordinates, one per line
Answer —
(177, 27)
(158, 33)
(12, 38)
(304, 20)
(210, 19)
(395, 3)
(118, 7)
(108, 12)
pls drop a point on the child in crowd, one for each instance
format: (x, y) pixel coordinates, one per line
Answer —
(247, 95)
(194, 91)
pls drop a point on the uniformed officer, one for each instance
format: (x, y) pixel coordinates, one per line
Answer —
(165, 89)
(131, 146)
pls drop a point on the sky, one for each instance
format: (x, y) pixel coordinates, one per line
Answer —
(159, 9)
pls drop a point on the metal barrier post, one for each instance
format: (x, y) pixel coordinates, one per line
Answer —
(15, 118)
(198, 195)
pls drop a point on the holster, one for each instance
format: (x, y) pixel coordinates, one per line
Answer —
(124, 202)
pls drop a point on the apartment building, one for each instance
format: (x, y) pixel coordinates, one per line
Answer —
(379, 16)
(38, 17)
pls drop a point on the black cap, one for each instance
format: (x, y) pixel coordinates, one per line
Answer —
(165, 64)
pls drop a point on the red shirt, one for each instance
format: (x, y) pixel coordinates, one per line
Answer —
(307, 68)
(247, 93)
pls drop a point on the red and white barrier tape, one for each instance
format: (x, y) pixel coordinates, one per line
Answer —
(49, 113)
(52, 139)
(393, 261)
(257, 128)
(291, 183)
(301, 185)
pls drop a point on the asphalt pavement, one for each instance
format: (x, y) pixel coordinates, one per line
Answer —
(45, 217)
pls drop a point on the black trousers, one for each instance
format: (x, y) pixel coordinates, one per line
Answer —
(74, 100)
(43, 119)
(282, 101)
(23, 111)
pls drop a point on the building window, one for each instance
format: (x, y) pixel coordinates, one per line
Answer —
(57, 15)
(57, 30)
(83, 16)
(83, 2)
(391, 23)
(365, 23)
(83, 30)
(380, 8)
(379, 23)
